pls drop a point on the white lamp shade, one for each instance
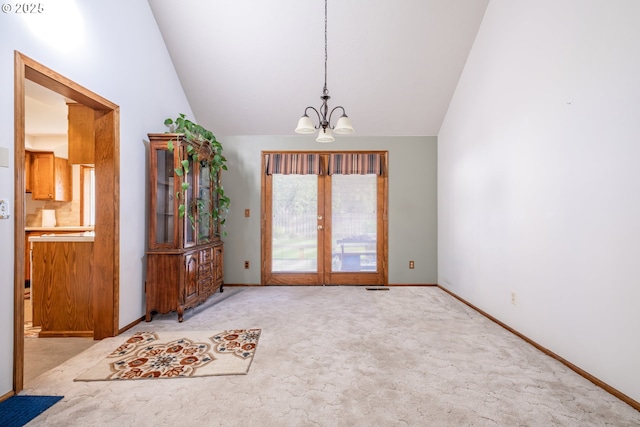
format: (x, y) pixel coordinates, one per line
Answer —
(305, 125)
(343, 127)
(325, 135)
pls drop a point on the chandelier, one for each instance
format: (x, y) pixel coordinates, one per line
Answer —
(324, 127)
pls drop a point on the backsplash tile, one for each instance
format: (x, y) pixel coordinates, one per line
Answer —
(67, 214)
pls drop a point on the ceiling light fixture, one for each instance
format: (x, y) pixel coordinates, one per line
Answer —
(305, 124)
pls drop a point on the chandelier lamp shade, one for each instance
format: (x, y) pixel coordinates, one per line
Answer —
(323, 127)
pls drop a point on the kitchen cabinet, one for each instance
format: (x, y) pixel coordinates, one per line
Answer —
(61, 286)
(185, 255)
(50, 177)
(27, 171)
(40, 231)
(81, 134)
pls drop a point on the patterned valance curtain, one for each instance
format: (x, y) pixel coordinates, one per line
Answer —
(355, 164)
(292, 164)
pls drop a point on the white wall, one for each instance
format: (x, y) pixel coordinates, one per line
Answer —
(412, 201)
(115, 50)
(539, 180)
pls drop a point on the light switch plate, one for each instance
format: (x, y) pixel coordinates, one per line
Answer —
(4, 157)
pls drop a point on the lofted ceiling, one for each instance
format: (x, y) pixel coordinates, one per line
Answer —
(250, 67)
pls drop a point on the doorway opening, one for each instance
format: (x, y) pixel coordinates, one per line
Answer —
(104, 286)
(325, 218)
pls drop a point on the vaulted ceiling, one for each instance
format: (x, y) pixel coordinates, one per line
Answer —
(250, 67)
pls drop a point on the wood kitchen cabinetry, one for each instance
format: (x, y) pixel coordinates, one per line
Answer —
(50, 177)
(27, 171)
(61, 286)
(40, 232)
(185, 256)
(81, 134)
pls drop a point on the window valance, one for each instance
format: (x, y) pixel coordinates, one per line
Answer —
(324, 163)
(355, 164)
(292, 164)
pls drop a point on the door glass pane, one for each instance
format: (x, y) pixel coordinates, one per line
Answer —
(294, 245)
(164, 197)
(354, 222)
(189, 224)
(204, 203)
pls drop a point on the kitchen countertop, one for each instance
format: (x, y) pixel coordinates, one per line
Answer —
(88, 236)
(65, 228)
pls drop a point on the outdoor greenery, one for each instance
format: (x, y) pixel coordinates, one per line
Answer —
(295, 220)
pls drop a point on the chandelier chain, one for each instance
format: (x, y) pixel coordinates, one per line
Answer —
(306, 125)
(325, 47)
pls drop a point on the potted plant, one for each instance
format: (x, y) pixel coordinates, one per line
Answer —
(202, 147)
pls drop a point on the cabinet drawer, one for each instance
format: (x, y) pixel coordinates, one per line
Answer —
(206, 255)
(205, 287)
(205, 270)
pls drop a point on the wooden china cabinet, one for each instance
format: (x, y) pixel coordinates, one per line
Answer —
(185, 255)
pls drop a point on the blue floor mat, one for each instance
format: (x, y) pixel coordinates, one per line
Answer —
(17, 411)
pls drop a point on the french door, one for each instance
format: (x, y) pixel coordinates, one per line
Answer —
(324, 218)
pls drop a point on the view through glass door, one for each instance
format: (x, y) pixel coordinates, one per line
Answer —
(324, 219)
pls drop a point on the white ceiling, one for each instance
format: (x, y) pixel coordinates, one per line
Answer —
(45, 111)
(250, 67)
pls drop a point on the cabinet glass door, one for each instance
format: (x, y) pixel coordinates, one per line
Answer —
(164, 201)
(189, 203)
(204, 204)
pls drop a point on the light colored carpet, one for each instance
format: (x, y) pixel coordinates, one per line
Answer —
(150, 355)
(343, 356)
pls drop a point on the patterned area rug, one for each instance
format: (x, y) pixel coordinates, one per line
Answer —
(31, 331)
(149, 355)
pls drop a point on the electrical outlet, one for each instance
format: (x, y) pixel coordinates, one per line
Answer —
(412, 264)
(514, 299)
(4, 209)
(246, 265)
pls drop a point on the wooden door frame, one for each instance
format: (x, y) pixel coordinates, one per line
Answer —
(106, 266)
(380, 277)
(324, 209)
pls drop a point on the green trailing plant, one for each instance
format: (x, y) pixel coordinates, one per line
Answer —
(202, 147)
